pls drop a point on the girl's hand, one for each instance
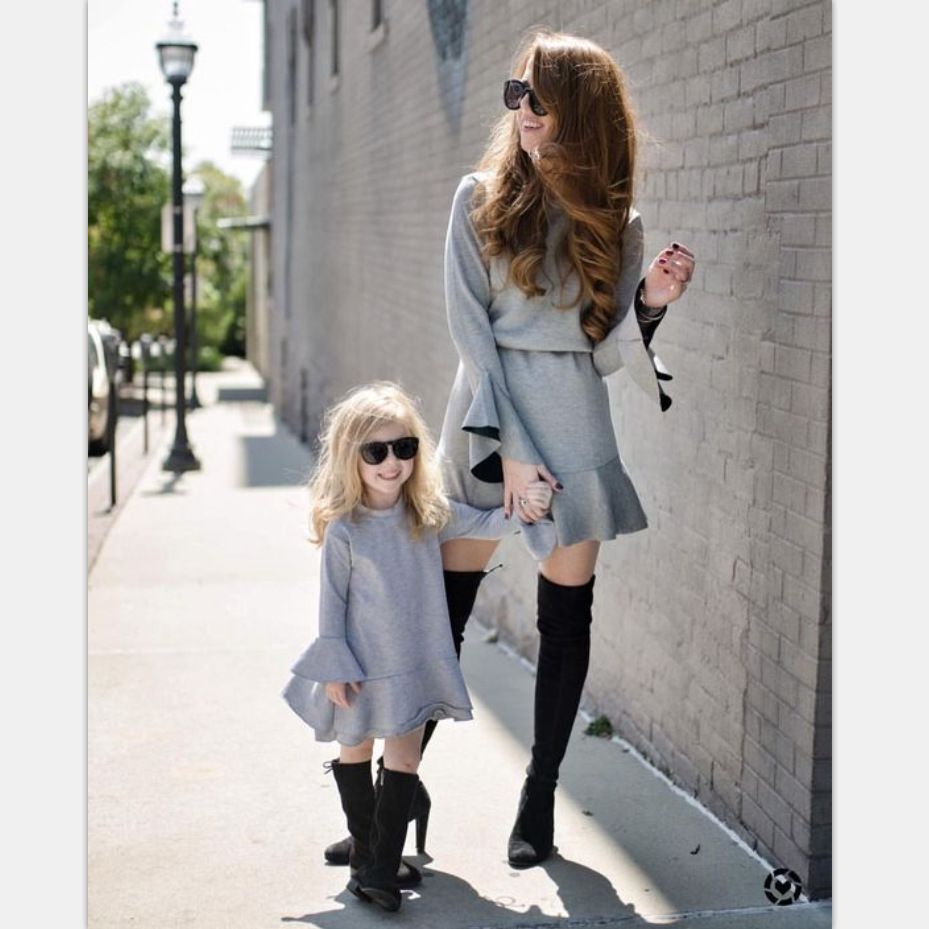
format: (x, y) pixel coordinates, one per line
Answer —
(668, 275)
(517, 477)
(539, 494)
(337, 693)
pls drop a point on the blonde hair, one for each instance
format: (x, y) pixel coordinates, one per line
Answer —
(587, 168)
(336, 487)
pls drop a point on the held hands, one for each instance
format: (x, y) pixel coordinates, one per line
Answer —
(523, 492)
(337, 692)
(668, 275)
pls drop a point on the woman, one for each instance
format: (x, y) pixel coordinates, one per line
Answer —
(545, 298)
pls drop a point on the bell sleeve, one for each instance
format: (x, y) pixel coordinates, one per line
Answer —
(493, 423)
(329, 658)
(468, 522)
(627, 345)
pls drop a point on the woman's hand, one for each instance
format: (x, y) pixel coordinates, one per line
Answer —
(337, 692)
(668, 275)
(520, 496)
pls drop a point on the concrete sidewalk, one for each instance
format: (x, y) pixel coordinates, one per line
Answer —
(207, 800)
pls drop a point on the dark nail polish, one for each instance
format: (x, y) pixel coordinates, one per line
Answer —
(559, 485)
(666, 271)
(675, 245)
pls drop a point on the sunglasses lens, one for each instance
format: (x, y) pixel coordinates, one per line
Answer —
(374, 452)
(406, 448)
(512, 93)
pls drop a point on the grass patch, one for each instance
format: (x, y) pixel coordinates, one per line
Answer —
(600, 727)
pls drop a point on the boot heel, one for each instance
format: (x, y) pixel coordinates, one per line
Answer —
(422, 824)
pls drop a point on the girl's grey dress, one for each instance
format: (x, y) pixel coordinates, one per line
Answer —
(530, 383)
(383, 620)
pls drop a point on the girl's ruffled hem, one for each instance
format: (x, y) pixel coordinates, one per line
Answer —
(437, 712)
(385, 706)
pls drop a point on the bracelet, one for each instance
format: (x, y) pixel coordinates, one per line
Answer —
(640, 296)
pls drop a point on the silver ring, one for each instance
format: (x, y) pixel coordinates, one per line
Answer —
(523, 501)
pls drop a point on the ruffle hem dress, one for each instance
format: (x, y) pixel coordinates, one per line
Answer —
(383, 621)
(530, 385)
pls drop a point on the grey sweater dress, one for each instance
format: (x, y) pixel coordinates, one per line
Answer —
(530, 383)
(383, 620)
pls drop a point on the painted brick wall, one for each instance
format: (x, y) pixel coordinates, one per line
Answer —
(712, 629)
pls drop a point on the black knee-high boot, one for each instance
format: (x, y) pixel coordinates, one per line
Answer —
(377, 880)
(358, 795)
(460, 594)
(564, 617)
(356, 792)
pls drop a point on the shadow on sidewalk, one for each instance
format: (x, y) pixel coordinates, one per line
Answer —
(580, 889)
(269, 462)
(169, 486)
(242, 395)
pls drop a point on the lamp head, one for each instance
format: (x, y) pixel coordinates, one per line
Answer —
(176, 52)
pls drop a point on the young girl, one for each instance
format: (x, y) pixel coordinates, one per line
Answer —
(384, 662)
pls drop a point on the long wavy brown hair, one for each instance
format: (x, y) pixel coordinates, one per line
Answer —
(586, 169)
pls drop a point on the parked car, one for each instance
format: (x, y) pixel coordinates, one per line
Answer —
(98, 392)
(112, 340)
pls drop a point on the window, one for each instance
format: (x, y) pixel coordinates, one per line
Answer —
(292, 66)
(334, 11)
(266, 59)
(309, 27)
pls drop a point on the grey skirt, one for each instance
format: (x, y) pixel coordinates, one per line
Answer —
(563, 405)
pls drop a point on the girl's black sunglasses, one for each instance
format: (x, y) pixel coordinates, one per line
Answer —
(405, 449)
(514, 91)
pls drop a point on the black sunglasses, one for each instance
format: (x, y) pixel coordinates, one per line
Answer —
(405, 449)
(514, 91)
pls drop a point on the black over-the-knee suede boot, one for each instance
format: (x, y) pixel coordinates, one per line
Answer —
(564, 617)
(460, 594)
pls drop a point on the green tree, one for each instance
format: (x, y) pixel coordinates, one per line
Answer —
(222, 263)
(128, 275)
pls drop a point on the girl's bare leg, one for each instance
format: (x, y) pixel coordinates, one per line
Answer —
(403, 752)
(353, 754)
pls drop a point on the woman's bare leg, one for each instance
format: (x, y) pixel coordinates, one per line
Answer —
(467, 554)
(572, 565)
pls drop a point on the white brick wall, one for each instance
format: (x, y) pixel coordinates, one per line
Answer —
(712, 629)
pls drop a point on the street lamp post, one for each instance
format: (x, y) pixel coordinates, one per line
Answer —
(176, 55)
(193, 197)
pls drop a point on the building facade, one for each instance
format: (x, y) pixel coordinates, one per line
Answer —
(712, 629)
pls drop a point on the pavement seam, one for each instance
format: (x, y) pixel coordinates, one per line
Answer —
(487, 632)
(581, 922)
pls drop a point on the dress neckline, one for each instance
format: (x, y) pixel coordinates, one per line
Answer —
(398, 508)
